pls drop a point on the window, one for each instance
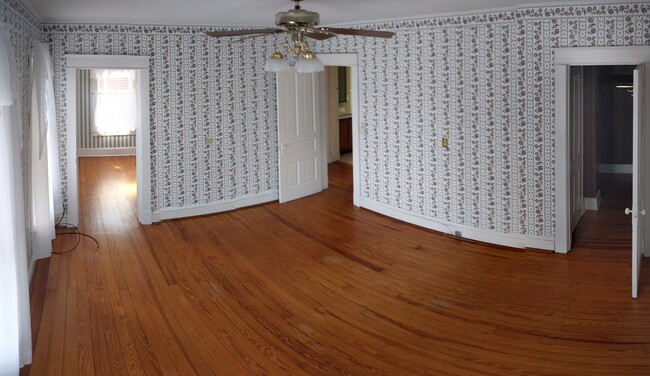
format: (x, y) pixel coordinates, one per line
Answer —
(113, 103)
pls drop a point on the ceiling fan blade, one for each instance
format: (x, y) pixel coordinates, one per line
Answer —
(232, 33)
(255, 36)
(358, 32)
(319, 34)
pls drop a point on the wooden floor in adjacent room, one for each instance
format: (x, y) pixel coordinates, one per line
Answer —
(608, 227)
(319, 287)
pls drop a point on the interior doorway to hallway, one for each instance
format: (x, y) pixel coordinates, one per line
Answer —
(602, 101)
(564, 59)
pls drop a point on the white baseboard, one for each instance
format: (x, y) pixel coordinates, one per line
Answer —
(615, 168)
(218, 207)
(487, 236)
(112, 152)
(593, 203)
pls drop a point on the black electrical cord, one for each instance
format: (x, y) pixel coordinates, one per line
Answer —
(65, 210)
(75, 232)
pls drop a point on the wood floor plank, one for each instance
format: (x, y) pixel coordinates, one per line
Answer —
(320, 287)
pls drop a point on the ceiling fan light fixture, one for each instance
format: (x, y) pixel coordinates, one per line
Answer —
(298, 24)
(306, 54)
(277, 55)
(277, 63)
(309, 65)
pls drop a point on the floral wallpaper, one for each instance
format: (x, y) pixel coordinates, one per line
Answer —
(487, 82)
(200, 88)
(484, 80)
(23, 28)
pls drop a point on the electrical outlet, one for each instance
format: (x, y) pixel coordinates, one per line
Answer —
(207, 141)
(458, 234)
(445, 142)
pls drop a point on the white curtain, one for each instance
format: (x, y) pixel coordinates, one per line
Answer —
(15, 330)
(46, 182)
(114, 102)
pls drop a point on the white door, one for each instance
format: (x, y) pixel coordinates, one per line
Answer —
(299, 134)
(638, 192)
(576, 142)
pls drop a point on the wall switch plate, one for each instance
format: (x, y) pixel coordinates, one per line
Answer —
(445, 142)
(207, 141)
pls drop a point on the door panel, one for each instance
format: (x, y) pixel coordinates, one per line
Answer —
(299, 134)
(638, 191)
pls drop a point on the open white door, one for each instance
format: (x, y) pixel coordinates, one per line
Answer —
(299, 134)
(638, 192)
(576, 141)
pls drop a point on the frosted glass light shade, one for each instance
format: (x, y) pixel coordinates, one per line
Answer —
(309, 65)
(277, 65)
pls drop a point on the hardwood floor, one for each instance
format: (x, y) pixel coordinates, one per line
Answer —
(319, 287)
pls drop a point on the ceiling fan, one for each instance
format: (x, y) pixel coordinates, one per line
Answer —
(298, 23)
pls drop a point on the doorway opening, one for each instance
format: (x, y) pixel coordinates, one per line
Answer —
(139, 65)
(343, 104)
(601, 98)
(566, 194)
(564, 59)
(106, 145)
(340, 148)
(303, 130)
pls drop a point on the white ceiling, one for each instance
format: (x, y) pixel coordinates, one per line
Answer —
(256, 12)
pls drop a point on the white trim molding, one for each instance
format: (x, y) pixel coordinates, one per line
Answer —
(601, 55)
(213, 208)
(107, 62)
(486, 236)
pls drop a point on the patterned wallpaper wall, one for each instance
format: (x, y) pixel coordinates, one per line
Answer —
(484, 80)
(200, 88)
(23, 29)
(487, 82)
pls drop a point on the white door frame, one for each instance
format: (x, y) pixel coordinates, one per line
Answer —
(564, 59)
(142, 148)
(576, 146)
(345, 60)
(638, 162)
